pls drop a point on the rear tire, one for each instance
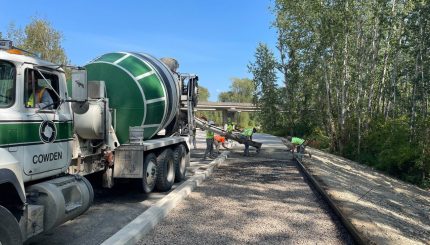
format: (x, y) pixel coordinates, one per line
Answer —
(149, 173)
(165, 170)
(10, 233)
(182, 160)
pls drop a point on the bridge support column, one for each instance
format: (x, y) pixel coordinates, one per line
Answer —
(228, 115)
(224, 116)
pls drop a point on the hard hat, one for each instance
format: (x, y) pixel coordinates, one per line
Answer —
(211, 123)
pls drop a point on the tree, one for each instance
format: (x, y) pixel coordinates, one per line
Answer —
(41, 38)
(356, 73)
(210, 115)
(203, 94)
(241, 91)
(264, 78)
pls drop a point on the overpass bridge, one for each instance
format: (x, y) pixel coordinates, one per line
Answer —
(228, 109)
(226, 106)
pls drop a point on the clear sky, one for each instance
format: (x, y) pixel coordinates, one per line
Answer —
(214, 39)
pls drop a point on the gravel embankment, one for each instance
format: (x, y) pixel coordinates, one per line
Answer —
(384, 210)
(250, 200)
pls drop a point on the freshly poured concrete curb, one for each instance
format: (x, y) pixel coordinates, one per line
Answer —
(144, 223)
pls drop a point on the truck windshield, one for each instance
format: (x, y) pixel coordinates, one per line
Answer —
(7, 83)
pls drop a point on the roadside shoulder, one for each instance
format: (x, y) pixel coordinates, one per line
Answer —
(383, 209)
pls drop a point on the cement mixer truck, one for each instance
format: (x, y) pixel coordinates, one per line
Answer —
(124, 115)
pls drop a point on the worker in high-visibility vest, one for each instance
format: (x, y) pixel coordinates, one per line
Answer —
(299, 144)
(42, 99)
(230, 128)
(246, 135)
(209, 143)
(219, 141)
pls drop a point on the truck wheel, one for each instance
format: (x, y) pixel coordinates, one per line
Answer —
(182, 160)
(165, 170)
(149, 173)
(10, 233)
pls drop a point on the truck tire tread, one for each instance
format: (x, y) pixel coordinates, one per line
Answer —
(182, 160)
(146, 187)
(10, 233)
(165, 170)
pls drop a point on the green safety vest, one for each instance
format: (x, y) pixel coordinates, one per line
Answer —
(209, 135)
(248, 132)
(229, 128)
(297, 141)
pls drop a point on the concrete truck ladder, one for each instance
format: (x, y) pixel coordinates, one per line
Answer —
(233, 136)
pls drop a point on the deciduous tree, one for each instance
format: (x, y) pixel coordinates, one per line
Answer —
(263, 70)
(39, 37)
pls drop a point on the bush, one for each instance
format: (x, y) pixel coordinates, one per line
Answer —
(388, 148)
(319, 139)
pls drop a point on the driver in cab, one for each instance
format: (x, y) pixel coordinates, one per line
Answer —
(41, 98)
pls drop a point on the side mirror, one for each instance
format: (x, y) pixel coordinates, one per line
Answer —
(80, 91)
(79, 85)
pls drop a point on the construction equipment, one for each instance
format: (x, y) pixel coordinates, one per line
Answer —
(125, 115)
(233, 136)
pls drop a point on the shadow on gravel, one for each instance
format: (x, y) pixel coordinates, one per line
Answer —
(257, 201)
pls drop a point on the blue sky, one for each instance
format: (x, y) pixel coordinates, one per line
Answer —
(214, 39)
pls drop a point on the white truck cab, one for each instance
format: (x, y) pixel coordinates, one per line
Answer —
(36, 135)
(49, 140)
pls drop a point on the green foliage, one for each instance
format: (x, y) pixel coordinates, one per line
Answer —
(388, 147)
(241, 91)
(203, 94)
(245, 120)
(41, 38)
(355, 77)
(318, 139)
(266, 93)
(210, 115)
(225, 96)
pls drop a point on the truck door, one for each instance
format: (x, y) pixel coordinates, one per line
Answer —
(47, 124)
(10, 115)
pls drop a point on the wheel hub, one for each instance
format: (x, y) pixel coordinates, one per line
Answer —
(150, 173)
(170, 170)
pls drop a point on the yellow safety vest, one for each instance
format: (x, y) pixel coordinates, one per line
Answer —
(39, 98)
(248, 132)
(209, 135)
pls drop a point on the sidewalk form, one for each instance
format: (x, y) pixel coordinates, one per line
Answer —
(139, 227)
(376, 208)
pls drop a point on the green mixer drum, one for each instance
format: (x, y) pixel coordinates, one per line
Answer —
(140, 88)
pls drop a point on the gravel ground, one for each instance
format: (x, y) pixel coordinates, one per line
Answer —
(247, 200)
(259, 200)
(383, 209)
